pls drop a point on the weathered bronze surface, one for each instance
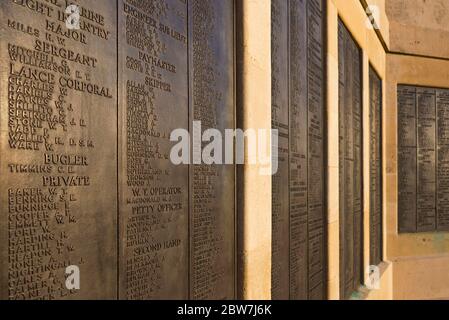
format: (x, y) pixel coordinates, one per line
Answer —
(423, 148)
(280, 118)
(375, 89)
(351, 196)
(58, 159)
(407, 138)
(299, 246)
(212, 187)
(178, 222)
(86, 119)
(154, 193)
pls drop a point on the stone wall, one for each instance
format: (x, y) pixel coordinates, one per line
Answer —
(419, 27)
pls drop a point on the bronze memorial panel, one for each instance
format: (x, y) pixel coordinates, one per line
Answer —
(212, 187)
(154, 193)
(375, 116)
(58, 140)
(350, 168)
(177, 232)
(86, 175)
(299, 247)
(423, 155)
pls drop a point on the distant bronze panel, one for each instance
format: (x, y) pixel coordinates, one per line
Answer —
(423, 155)
(426, 182)
(375, 85)
(58, 160)
(407, 143)
(280, 121)
(443, 160)
(350, 170)
(299, 245)
(212, 187)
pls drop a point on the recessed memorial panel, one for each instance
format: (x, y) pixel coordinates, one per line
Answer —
(298, 238)
(350, 167)
(423, 159)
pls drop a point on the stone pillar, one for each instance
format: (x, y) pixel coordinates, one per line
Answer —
(254, 112)
(332, 153)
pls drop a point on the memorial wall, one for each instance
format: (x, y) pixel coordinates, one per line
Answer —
(88, 106)
(350, 162)
(299, 247)
(87, 181)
